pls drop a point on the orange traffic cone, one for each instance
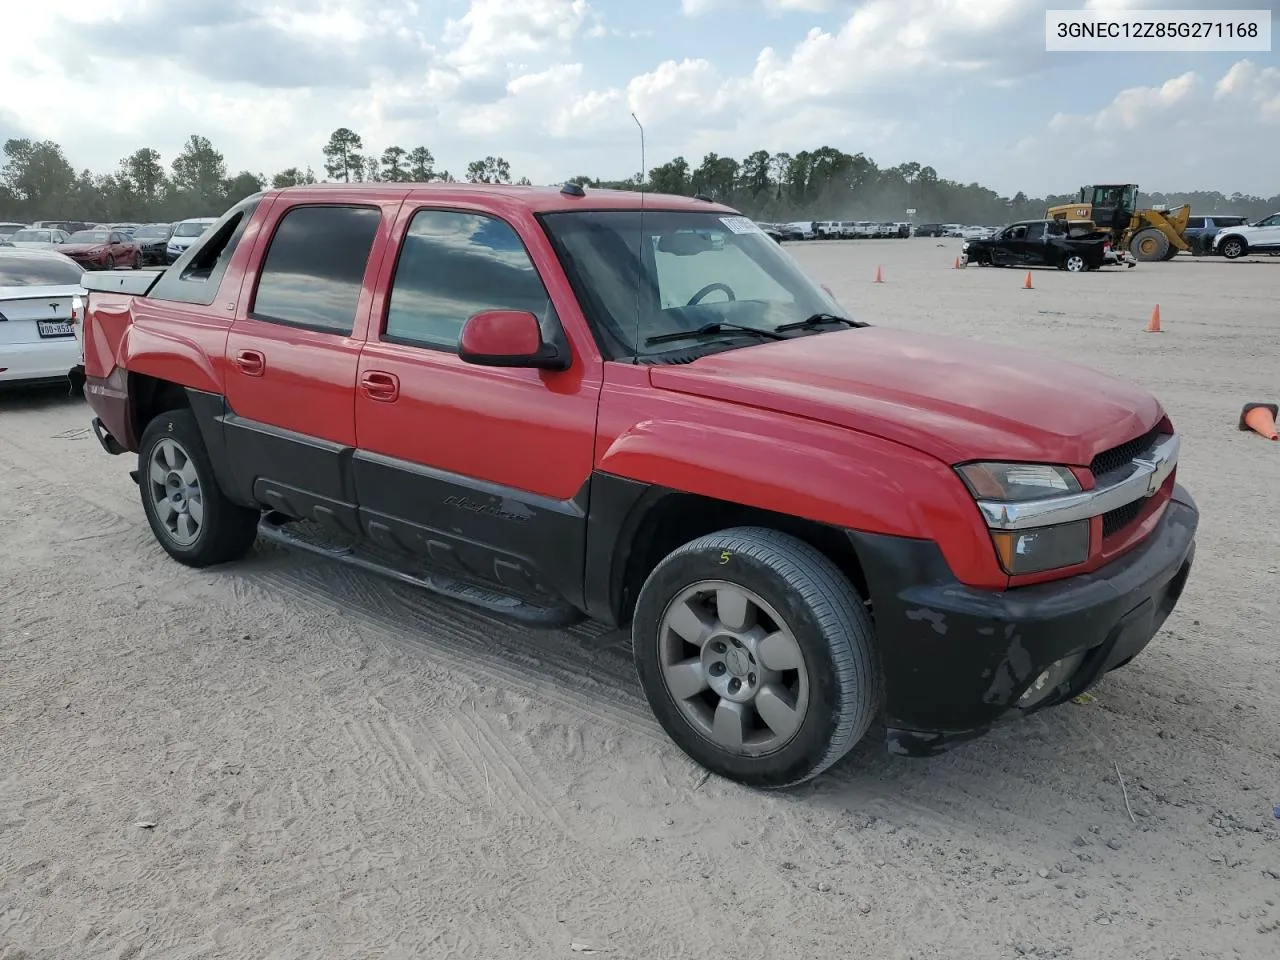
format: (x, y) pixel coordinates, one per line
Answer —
(1261, 419)
(1027, 284)
(957, 266)
(879, 278)
(1153, 326)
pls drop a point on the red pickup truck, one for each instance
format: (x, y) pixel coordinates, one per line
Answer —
(557, 404)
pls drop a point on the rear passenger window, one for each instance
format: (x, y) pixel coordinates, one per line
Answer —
(452, 266)
(1195, 222)
(314, 269)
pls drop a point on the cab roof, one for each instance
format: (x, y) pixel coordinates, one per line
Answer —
(535, 199)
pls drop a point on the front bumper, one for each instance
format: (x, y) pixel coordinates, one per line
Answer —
(956, 660)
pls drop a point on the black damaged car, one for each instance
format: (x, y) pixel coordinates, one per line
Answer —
(1039, 243)
(153, 238)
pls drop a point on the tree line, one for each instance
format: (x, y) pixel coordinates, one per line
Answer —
(37, 182)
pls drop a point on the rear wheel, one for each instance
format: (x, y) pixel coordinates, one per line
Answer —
(756, 656)
(189, 515)
(1074, 263)
(1149, 244)
(1233, 247)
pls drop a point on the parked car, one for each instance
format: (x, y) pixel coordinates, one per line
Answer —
(903, 229)
(806, 229)
(153, 238)
(509, 426)
(929, 230)
(184, 234)
(126, 228)
(1038, 243)
(1260, 237)
(36, 239)
(102, 250)
(37, 339)
(9, 228)
(1200, 231)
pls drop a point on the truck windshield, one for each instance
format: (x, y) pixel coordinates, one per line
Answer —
(677, 271)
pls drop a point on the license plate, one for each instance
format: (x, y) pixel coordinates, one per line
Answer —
(54, 328)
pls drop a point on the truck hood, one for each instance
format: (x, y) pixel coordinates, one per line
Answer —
(952, 398)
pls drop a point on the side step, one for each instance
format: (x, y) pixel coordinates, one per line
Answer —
(273, 527)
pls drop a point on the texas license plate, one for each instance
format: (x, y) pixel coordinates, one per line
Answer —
(54, 328)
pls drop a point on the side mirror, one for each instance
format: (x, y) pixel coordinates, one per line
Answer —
(508, 338)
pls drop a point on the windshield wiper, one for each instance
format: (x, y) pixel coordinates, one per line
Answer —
(818, 319)
(708, 329)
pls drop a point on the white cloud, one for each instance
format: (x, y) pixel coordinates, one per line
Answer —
(493, 32)
(1183, 128)
(698, 8)
(551, 84)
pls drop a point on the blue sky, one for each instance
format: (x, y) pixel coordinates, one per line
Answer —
(962, 85)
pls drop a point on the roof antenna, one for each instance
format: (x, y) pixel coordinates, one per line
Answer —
(635, 358)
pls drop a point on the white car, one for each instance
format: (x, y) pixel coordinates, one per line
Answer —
(185, 234)
(1260, 237)
(34, 238)
(38, 342)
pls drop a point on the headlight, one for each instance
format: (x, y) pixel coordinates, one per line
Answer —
(1034, 549)
(1018, 482)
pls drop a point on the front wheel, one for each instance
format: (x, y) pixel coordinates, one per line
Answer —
(756, 655)
(189, 514)
(1232, 247)
(137, 260)
(111, 262)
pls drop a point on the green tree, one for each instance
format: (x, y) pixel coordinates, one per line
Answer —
(292, 177)
(489, 170)
(342, 158)
(243, 184)
(393, 168)
(421, 165)
(38, 175)
(144, 175)
(200, 172)
(671, 177)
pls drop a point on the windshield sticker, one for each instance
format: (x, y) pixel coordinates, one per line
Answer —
(740, 225)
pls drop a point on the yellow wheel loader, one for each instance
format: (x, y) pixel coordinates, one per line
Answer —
(1151, 234)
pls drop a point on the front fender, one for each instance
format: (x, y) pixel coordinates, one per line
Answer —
(814, 471)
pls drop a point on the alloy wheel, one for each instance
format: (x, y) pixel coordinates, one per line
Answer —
(733, 668)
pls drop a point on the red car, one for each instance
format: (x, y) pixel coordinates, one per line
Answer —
(556, 404)
(102, 249)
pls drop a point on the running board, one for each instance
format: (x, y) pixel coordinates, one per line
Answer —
(499, 604)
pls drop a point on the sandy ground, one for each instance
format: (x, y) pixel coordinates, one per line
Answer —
(338, 768)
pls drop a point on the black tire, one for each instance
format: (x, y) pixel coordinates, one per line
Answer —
(111, 261)
(1149, 245)
(227, 530)
(137, 261)
(1232, 247)
(823, 612)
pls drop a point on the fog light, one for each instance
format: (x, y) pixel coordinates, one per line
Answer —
(1044, 685)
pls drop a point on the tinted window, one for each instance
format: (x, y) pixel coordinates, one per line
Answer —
(455, 265)
(313, 271)
(1035, 231)
(1195, 222)
(38, 272)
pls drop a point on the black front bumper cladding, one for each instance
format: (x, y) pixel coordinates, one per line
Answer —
(956, 660)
